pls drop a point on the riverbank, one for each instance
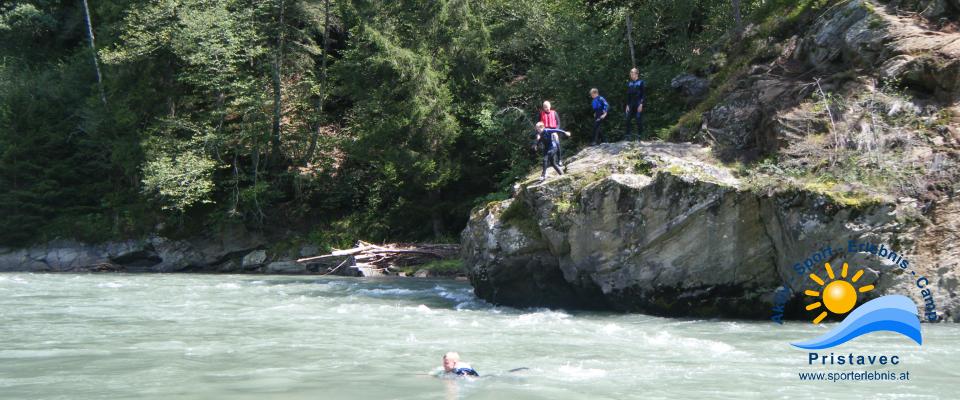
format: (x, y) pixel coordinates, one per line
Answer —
(235, 251)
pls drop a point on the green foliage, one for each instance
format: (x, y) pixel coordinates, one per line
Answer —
(231, 111)
(446, 267)
(520, 216)
(179, 180)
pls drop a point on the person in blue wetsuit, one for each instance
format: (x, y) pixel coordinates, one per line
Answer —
(600, 107)
(635, 98)
(453, 366)
(549, 139)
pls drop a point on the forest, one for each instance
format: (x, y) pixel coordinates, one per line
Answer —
(330, 119)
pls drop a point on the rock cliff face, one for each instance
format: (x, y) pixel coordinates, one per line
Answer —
(857, 119)
(665, 229)
(852, 49)
(224, 252)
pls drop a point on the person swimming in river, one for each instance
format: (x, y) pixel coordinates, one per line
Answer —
(550, 140)
(550, 119)
(453, 366)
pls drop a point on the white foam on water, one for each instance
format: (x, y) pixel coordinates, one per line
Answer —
(610, 329)
(227, 285)
(112, 285)
(17, 279)
(45, 353)
(579, 373)
(540, 317)
(393, 292)
(667, 340)
(461, 295)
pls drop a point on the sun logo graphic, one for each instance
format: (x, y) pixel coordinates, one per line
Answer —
(893, 313)
(838, 296)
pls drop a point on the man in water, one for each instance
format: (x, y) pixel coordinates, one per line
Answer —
(453, 365)
(600, 107)
(635, 99)
(550, 119)
(550, 140)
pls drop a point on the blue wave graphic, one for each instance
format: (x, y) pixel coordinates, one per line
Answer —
(894, 313)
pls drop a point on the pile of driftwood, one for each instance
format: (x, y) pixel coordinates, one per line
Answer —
(372, 259)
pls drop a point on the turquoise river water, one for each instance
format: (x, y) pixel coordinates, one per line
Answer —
(116, 336)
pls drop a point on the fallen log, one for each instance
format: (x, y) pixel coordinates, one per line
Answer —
(388, 255)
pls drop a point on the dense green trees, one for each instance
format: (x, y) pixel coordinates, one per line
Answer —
(232, 111)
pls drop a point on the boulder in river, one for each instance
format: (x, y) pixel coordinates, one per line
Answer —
(664, 228)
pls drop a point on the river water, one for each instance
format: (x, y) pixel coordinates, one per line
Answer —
(113, 336)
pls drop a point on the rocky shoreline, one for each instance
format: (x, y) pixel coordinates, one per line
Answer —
(234, 251)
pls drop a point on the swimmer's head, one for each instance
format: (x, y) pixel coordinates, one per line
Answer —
(450, 361)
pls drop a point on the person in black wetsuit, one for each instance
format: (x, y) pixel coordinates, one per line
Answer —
(635, 99)
(453, 365)
(548, 138)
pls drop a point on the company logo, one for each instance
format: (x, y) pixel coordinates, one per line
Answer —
(837, 295)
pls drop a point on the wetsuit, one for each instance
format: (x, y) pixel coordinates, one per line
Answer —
(551, 120)
(467, 371)
(635, 98)
(550, 147)
(600, 107)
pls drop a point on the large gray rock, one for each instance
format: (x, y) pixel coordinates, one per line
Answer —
(690, 86)
(664, 229)
(219, 252)
(286, 267)
(254, 259)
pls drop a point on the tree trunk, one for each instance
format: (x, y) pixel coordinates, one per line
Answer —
(737, 19)
(323, 81)
(93, 49)
(256, 166)
(277, 98)
(436, 219)
(633, 58)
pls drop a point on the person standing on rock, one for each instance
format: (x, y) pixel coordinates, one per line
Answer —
(550, 140)
(600, 107)
(635, 99)
(550, 119)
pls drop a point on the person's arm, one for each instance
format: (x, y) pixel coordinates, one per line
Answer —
(642, 95)
(555, 132)
(536, 142)
(605, 106)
